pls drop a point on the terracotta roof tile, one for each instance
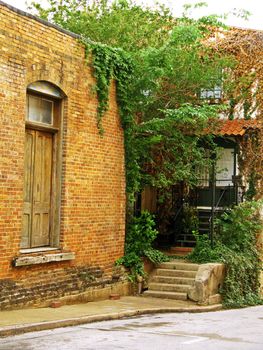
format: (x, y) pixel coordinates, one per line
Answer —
(236, 127)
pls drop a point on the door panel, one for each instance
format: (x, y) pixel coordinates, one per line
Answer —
(42, 189)
(38, 184)
(28, 177)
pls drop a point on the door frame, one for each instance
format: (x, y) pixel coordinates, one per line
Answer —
(55, 201)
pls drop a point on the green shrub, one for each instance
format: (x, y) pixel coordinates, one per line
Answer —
(140, 236)
(235, 246)
(238, 228)
(203, 252)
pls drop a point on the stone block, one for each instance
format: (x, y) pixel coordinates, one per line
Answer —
(207, 283)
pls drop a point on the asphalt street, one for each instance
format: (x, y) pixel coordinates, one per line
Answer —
(240, 329)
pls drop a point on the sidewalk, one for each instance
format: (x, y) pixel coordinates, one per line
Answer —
(29, 320)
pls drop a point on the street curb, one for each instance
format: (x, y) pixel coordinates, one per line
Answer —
(35, 327)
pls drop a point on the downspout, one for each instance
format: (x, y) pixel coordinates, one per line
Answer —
(235, 177)
(213, 203)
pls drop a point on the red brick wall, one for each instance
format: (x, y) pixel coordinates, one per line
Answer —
(93, 176)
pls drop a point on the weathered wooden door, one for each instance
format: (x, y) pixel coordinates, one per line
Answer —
(37, 189)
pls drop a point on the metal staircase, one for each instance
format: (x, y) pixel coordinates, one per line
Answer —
(204, 218)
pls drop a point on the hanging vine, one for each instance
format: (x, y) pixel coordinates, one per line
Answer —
(110, 63)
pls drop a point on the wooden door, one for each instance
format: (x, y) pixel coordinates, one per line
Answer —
(37, 189)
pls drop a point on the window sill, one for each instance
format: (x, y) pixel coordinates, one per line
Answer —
(43, 258)
(41, 127)
(37, 250)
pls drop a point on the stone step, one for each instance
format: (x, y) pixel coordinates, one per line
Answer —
(175, 265)
(180, 251)
(166, 287)
(175, 273)
(172, 280)
(165, 295)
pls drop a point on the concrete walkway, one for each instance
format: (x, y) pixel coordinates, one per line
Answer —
(28, 320)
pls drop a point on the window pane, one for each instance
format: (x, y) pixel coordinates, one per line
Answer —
(40, 110)
(46, 111)
(225, 167)
(33, 109)
(213, 93)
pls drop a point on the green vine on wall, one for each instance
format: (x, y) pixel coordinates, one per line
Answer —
(110, 63)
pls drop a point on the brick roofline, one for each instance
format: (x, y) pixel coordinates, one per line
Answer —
(42, 21)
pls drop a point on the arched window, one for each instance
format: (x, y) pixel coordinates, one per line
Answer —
(42, 166)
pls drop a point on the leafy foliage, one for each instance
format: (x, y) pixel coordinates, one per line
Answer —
(175, 73)
(159, 77)
(141, 233)
(121, 23)
(203, 252)
(109, 63)
(169, 148)
(236, 247)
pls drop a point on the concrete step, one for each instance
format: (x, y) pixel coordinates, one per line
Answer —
(180, 251)
(175, 273)
(166, 287)
(165, 295)
(175, 265)
(172, 280)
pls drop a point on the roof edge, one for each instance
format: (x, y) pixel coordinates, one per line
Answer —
(74, 35)
(38, 19)
(245, 29)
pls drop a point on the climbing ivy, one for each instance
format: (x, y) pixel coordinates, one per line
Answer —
(110, 63)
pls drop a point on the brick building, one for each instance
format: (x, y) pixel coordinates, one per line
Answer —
(62, 185)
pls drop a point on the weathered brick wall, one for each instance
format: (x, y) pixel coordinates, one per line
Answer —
(93, 175)
(72, 284)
